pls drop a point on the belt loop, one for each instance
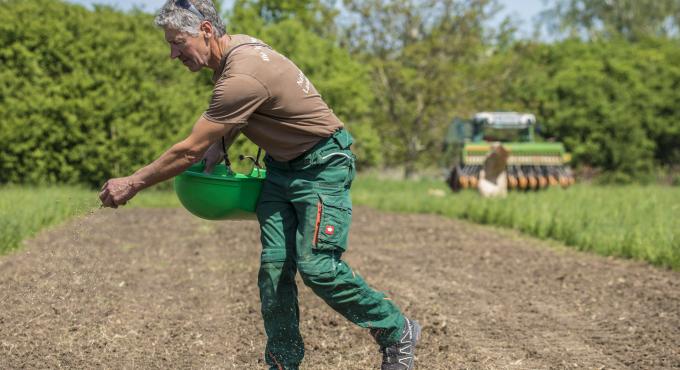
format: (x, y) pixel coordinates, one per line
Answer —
(350, 173)
(342, 138)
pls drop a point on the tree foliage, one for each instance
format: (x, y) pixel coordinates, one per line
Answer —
(294, 28)
(86, 95)
(614, 105)
(632, 20)
(425, 57)
(317, 16)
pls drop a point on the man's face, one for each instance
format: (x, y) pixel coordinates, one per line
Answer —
(193, 51)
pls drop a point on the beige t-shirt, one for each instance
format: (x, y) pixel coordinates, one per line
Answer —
(265, 96)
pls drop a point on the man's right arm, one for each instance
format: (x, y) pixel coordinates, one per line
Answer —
(174, 161)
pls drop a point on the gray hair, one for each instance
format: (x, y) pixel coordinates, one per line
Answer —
(173, 16)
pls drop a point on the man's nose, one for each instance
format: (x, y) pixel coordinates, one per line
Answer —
(174, 53)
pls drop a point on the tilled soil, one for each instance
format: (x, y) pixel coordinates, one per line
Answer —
(143, 289)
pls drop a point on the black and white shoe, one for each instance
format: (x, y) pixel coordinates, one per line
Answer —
(400, 356)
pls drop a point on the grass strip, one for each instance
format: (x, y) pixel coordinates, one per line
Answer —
(638, 222)
(24, 211)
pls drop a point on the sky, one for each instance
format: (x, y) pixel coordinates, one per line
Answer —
(522, 10)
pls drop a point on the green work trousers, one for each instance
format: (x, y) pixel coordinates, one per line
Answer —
(305, 213)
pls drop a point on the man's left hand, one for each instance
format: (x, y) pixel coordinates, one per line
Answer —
(116, 192)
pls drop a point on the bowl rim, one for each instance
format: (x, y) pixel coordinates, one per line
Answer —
(196, 170)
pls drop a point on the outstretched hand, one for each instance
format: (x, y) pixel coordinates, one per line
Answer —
(116, 192)
(213, 156)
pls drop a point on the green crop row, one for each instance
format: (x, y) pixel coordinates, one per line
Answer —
(24, 211)
(638, 222)
(628, 221)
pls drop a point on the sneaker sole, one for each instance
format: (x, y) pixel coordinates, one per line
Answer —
(416, 331)
(415, 327)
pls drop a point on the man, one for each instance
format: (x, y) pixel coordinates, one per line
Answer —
(493, 178)
(304, 209)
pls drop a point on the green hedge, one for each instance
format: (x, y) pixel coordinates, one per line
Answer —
(88, 95)
(614, 104)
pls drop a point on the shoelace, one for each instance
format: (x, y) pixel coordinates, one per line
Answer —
(390, 355)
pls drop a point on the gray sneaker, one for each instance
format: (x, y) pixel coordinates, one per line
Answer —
(400, 356)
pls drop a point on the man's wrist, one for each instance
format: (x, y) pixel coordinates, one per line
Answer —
(136, 182)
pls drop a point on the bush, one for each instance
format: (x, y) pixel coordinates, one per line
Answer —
(89, 95)
(614, 104)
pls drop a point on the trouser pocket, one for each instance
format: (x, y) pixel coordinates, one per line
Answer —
(333, 219)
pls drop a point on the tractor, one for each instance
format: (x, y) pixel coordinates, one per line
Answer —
(530, 165)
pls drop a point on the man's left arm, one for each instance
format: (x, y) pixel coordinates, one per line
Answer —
(116, 192)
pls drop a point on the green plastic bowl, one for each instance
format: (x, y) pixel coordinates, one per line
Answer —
(222, 195)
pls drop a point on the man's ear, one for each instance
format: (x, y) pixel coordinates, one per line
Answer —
(207, 29)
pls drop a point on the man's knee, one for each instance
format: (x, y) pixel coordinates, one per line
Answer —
(319, 269)
(276, 281)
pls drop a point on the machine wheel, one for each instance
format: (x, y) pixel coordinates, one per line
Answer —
(454, 179)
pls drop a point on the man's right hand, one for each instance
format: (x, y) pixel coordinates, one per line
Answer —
(213, 156)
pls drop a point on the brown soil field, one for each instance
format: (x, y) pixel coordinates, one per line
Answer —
(160, 289)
